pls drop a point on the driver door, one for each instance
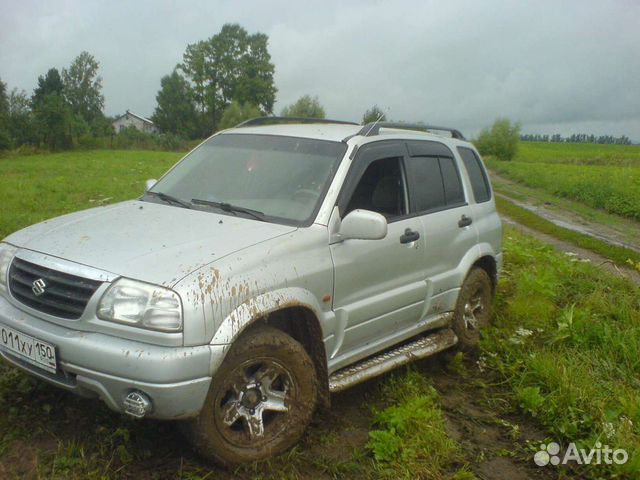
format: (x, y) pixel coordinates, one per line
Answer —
(380, 285)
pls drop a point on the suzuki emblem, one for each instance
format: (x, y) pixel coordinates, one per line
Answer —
(38, 287)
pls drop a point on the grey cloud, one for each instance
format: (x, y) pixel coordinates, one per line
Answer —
(554, 66)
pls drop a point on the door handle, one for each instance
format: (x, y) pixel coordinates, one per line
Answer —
(464, 221)
(409, 236)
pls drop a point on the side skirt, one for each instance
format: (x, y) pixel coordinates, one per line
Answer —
(371, 367)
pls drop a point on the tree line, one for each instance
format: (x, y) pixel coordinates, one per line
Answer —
(220, 82)
(576, 138)
(65, 105)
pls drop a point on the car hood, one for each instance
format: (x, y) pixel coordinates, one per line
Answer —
(152, 242)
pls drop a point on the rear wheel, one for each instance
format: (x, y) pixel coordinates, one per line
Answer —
(260, 400)
(473, 309)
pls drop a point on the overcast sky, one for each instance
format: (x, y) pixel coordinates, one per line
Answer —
(555, 66)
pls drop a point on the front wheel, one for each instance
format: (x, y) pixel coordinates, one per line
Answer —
(260, 401)
(473, 309)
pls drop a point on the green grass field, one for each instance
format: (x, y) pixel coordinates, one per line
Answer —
(612, 185)
(579, 153)
(34, 188)
(567, 341)
(564, 354)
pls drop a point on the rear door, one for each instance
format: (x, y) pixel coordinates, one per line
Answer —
(439, 199)
(486, 217)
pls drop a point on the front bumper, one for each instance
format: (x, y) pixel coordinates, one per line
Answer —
(176, 379)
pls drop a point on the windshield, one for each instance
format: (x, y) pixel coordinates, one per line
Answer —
(282, 179)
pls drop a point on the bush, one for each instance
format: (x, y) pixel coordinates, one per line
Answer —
(170, 141)
(5, 140)
(374, 114)
(306, 106)
(237, 113)
(89, 142)
(25, 149)
(132, 139)
(501, 140)
(128, 139)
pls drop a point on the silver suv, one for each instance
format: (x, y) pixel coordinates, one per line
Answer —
(276, 263)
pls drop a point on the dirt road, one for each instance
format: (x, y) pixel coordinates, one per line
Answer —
(571, 215)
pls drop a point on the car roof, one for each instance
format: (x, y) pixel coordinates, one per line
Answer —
(342, 133)
(316, 131)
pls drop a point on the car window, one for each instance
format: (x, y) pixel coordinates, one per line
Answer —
(381, 189)
(285, 178)
(427, 186)
(477, 175)
(454, 194)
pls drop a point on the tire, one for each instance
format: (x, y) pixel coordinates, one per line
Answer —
(473, 308)
(260, 401)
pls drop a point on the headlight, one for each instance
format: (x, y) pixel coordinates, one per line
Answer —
(6, 255)
(141, 305)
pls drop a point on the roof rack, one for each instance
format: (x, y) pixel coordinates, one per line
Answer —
(255, 122)
(371, 129)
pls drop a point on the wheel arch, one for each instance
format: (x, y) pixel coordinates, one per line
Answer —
(489, 265)
(294, 311)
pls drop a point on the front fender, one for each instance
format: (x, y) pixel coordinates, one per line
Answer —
(260, 306)
(252, 310)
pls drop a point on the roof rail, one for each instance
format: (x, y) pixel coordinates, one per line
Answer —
(371, 129)
(255, 122)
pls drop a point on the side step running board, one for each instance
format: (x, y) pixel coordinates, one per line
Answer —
(384, 362)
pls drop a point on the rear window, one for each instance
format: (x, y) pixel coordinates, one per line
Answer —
(428, 188)
(436, 183)
(452, 185)
(477, 175)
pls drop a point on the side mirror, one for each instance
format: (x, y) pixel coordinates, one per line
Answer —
(363, 225)
(149, 184)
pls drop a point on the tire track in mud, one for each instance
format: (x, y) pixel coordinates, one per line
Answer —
(494, 438)
(579, 254)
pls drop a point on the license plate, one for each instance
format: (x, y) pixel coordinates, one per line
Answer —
(29, 349)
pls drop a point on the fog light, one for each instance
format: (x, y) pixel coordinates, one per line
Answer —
(137, 404)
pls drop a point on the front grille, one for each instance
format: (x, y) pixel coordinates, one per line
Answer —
(64, 295)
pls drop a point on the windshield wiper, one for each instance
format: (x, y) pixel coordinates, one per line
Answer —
(227, 207)
(170, 199)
